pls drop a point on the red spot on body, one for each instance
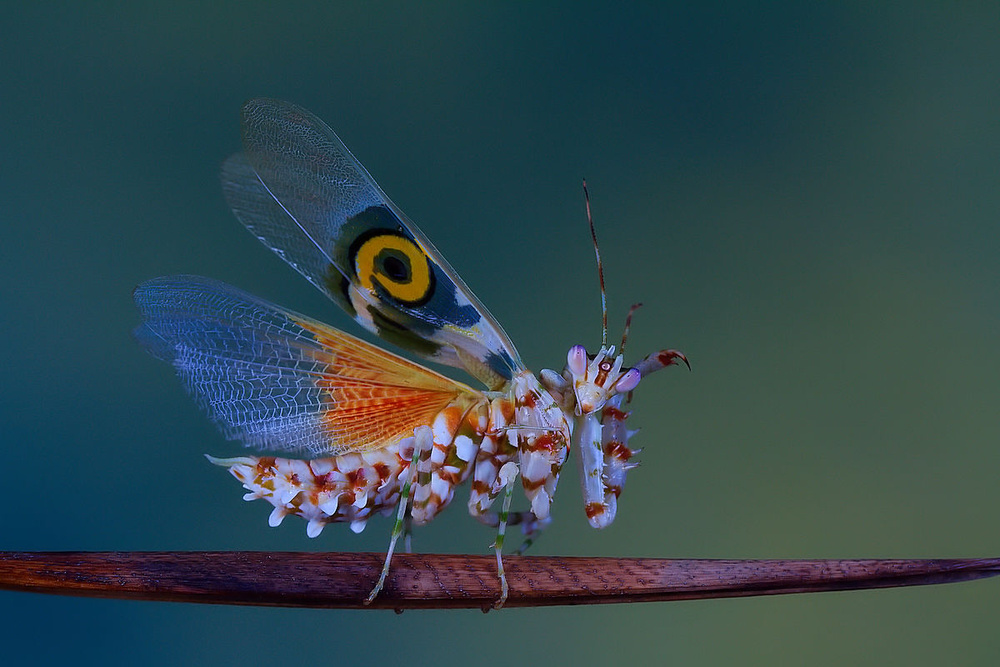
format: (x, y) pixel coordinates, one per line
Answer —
(264, 474)
(382, 470)
(618, 450)
(479, 486)
(611, 412)
(531, 485)
(453, 479)
(529, 400)
(546, 441)
(594, 509)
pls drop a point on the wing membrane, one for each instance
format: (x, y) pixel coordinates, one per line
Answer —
(303, 194)
(279, 381)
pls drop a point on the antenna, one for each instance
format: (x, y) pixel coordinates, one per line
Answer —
(628, 325)
(600, 270)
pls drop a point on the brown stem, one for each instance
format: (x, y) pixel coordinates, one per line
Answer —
(343, 580)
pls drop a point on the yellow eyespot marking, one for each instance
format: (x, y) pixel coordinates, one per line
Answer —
(397, 263)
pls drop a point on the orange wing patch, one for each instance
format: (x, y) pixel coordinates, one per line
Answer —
(375, 398)
(282, 382)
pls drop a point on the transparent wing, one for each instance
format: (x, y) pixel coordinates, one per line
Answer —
(301, 192)
(279, 381)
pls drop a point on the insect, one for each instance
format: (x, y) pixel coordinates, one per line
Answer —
(370, 431)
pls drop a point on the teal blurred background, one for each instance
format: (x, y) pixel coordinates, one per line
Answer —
(805, 198)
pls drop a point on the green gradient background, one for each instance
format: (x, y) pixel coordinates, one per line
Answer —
(804, 198)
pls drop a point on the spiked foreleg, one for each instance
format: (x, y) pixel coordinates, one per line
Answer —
(587, 438)
(614, 441)
(604, 460)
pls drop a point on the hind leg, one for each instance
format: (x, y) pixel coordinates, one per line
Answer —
(508, 475)
(531, 525)
(423, 440)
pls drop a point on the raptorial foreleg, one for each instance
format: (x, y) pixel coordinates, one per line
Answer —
(617, 454)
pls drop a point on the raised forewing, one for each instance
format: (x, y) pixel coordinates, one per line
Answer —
(301, 192)
(279, 381)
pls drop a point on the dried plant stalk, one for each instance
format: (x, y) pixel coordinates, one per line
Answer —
(343, 580)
